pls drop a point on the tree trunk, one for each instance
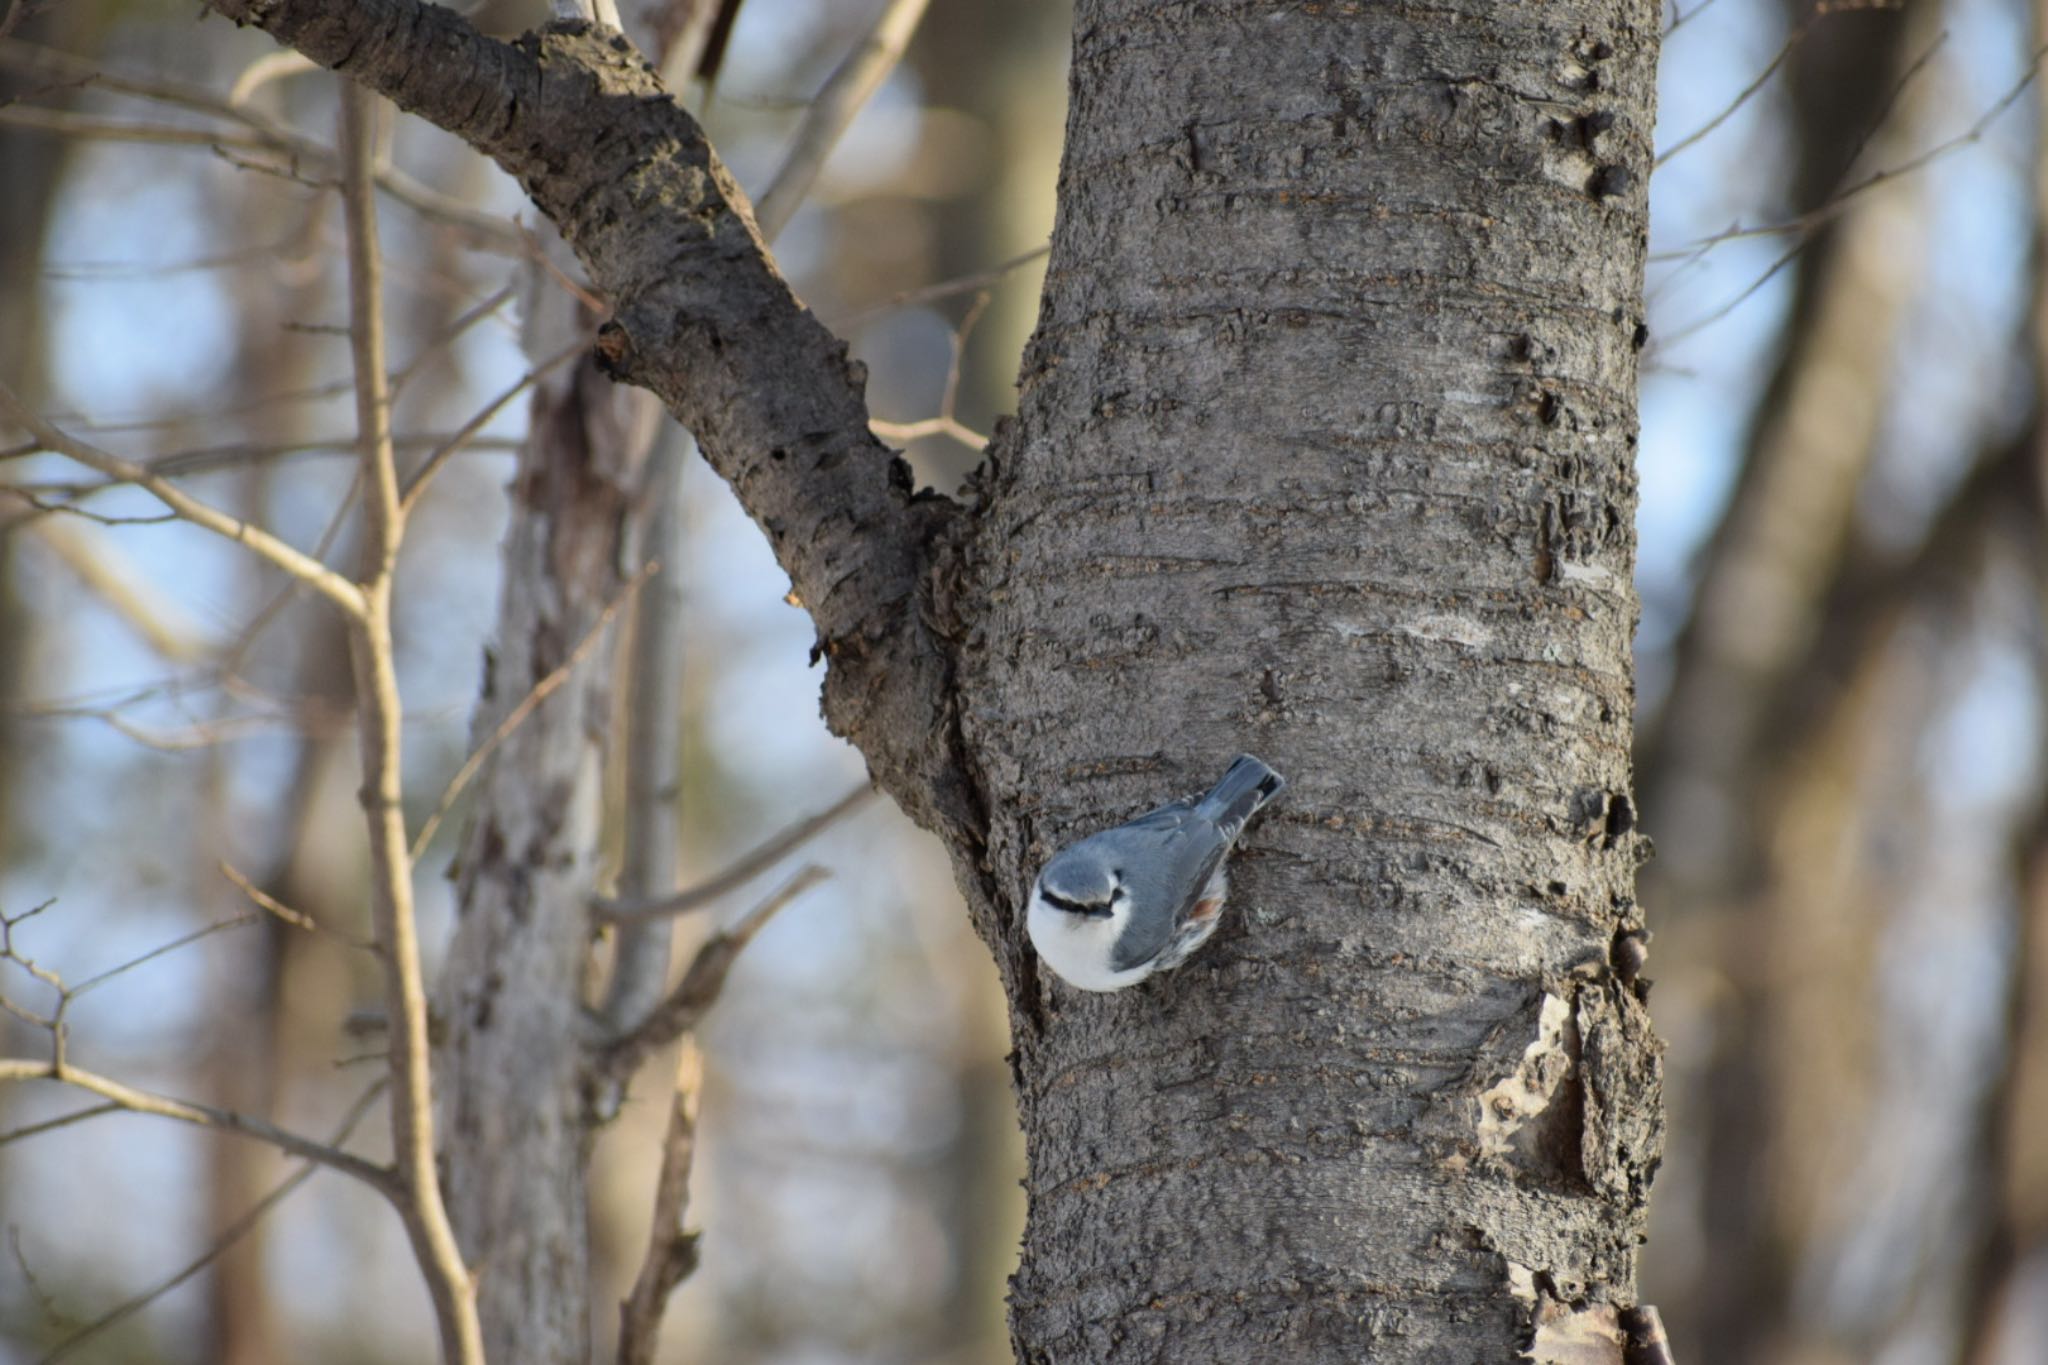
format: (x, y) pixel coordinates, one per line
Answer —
(1325, 452)
(514, 1082)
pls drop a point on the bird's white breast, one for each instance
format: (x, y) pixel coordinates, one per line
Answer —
(1078, 947)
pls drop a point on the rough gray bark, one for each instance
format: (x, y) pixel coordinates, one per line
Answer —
(1325, 451)
(515, 1089)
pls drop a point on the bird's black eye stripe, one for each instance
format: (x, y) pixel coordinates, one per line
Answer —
(1059, 902)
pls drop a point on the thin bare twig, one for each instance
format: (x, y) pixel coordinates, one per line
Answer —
(857, 78)
(91, 1111)
(1680, 20)
(1791, 44)
(1808, 222)
(265, 69)
(298, 919)
(516, 717)
(307, 570)
(99, 566)
(742, 870)
(245, 640)
(45, 506)
(454, 445)
(946, 423)
(651, 855)
(45, 1301)
(671, 1251)
(943, 289)
(232, 1233)
(87, 127)
(183, 940)
(264, 134)
(447, 336)
(210, 457)
(701, 985)
(420, 1205)
(58, 1068)
(203, 735)
(902, 433)
(136, 1101)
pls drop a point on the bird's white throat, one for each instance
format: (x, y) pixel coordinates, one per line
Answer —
(1079, 947)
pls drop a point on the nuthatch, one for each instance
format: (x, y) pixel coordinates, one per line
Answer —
(1109, 911)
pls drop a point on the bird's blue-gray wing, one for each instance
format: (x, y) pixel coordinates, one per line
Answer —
(1183, 854)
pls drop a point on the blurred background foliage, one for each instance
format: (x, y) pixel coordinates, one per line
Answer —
(1841, 653)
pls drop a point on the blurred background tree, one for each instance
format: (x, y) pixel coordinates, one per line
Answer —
(1841, 657)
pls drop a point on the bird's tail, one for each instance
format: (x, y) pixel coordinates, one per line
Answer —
(1248, 785)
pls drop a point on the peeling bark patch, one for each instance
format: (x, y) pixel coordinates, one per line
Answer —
(1621, 1140)
(1524, 1116)
(1603, 819)
(1581, 1336)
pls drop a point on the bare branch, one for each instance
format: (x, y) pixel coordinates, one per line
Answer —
(379, 1178)
(901, 433)
(44, 1300)
(748, 866)
(96, 562)
(1680, 19)
(447, 336)
(238, 652)
(943, 289)
(204, 735)
(454, 445)
(232, 1233)
(298, 919)
(88, 128)
(671, 1252)
(263, 134)
(384, 516)
(946, 423)
(307, 570)
(701, 985)
(49, 507)
(264, 70)
(420, 1205)
(849, 88)
(708, 324)
(1807, 223)
(652, 749)
(516, 717)
(205, 931)
(1785, 50)
(92, 1111)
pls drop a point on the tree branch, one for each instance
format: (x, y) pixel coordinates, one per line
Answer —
(418, 1183)
(652, 752)
(516, 717)
(484, 231)
(701, 318)
(855, 80)
(135, 1101)
(701, 985)
(307, 570)
(749, 865)
(671, 1251)
(231, 1234)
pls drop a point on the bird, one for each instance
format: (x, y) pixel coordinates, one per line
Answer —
(1117, 907)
